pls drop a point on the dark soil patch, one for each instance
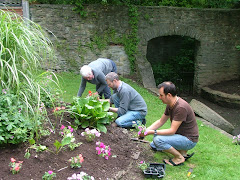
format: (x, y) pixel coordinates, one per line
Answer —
(123, 165)
(229, 87)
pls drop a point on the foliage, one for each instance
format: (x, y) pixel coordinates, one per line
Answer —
(49, 175)
(177, 3)
(15, 166)
(90, 134)
(178, 67)
(90, 112)
(142, 129)
(81, 176)
(14, 126)
(103, 150)
(76, 162)
(143, 165)
(68, 139)
(37, 148)
(23, 47)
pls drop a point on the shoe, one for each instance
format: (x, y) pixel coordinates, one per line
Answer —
(172, 163)
(144, 121)
(188, 156)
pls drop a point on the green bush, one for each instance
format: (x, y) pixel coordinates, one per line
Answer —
(90, 112)
(24, 46)
(14, 127)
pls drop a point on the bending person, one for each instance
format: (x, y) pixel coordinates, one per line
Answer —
(129, 104)
(183, 133)
(94, 73)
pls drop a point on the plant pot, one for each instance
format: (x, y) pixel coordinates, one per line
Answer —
(155, 170)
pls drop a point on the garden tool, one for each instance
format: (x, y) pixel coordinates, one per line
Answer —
(189, 172)
(140, 140)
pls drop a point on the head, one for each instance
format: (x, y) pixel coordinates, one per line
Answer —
(86, 72)
(167, 91)
(112, 80)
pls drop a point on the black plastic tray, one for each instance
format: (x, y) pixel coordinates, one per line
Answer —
(155, 170)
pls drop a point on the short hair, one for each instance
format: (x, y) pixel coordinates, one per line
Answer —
(86, 71)
(111, 76)
(168, 87)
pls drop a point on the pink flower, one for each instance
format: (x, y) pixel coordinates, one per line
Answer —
(102, 145)
(13, 160)
(50, 172)
(17, 168)
(62, 127)
(71, 129)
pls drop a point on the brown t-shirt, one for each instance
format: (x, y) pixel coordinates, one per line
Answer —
(182, 111)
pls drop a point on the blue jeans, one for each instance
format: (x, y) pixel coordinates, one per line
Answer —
(106, 91)
(177, 141)
(126, 120)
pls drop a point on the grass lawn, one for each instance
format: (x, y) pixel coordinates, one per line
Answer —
(215, 155)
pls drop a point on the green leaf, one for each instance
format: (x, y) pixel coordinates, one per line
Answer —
(27, 155)
(105, 106)
(31, 141)
(1, 138)
(66, 140)
(101, 128)
(85, 124)
(88, 106)
(57, 144)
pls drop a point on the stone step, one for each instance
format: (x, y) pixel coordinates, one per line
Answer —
(208, 114)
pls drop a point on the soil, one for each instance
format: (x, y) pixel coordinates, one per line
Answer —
(126, 154)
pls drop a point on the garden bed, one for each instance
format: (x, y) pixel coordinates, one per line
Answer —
(121, 164)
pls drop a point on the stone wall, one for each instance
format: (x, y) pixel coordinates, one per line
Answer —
(217, 31)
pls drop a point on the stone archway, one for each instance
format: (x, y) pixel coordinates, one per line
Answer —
(172, 58)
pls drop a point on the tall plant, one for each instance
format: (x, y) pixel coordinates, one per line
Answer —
(23, 47)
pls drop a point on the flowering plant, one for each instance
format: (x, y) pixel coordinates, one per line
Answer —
(236, 139)
(103, 150)
(90, 134)
(143, 165)
(76, 162)
(68, 139)
(81, 176)
(140, 127)
(93, 95)
(49, 175)
(15, 167)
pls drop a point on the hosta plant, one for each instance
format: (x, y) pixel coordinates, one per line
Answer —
(90, 112)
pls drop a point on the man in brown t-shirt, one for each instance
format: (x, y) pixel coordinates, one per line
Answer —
(183, 133)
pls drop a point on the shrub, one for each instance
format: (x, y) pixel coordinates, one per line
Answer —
(90, 112)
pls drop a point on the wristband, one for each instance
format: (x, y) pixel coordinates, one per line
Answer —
(155, 132)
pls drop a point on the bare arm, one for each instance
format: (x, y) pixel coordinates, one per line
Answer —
(172, 130)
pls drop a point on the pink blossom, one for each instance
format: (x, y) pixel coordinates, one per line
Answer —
(62, 127)
(50, 172)
(13, 160)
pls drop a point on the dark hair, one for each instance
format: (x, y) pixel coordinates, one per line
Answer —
(168, 87)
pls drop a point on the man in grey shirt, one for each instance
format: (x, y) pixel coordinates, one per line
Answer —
(95, 73)
(129, 104)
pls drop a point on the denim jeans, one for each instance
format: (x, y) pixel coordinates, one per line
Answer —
(126, 120)
(106, 92)
(177, 141)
